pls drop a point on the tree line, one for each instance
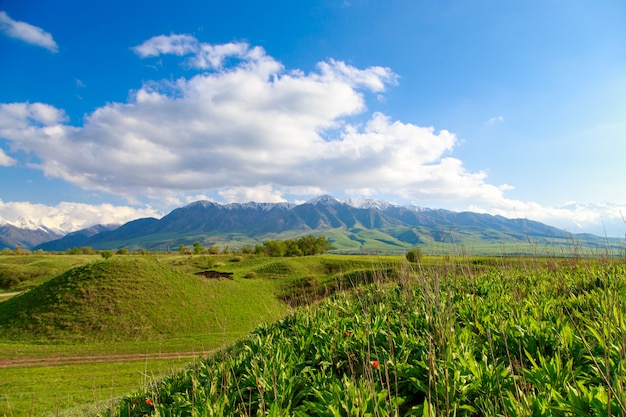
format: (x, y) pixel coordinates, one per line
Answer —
(304, 246)
(307, 245)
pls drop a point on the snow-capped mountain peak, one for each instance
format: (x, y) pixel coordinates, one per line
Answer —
(259, 206)
(366, 203)
(29, 224)
(323, 200)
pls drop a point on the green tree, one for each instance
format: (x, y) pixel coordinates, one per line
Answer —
(292, 248)
(197, 248)
(106, 254)
(247, 249)
(274, 248)
(414, 255)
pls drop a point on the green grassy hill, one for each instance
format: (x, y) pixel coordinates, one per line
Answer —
(136, 313)
(22, 272)
(128, 298)
(135, 298)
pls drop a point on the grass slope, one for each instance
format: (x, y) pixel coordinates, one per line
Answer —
(22, 272)
(134, 298)
(145, 289)
(504, 339)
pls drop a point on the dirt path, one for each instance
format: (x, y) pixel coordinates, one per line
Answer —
(76, 360)
(10, 294)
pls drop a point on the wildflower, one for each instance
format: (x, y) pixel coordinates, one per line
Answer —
(149, 401)
(347, 334)
(376, 364)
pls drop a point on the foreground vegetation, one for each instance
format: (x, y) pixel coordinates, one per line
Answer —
(339, 336)
(483, 338)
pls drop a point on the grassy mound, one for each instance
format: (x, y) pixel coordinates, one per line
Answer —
(134, 298)
(22, 272)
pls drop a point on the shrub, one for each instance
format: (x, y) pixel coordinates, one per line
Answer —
(414, 255)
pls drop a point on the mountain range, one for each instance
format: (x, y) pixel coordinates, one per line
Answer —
(355, 226)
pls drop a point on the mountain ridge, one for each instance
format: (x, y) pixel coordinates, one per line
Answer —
(362, 225)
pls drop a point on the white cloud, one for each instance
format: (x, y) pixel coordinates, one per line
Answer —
(247, 129)
(15, 117)
(6, 160)
(250, 124)
(263, 193)
(597, 218)
(375, 79)
(173, 44)
(213, 56)
(68, 217)
(492, 121)
(27, 33)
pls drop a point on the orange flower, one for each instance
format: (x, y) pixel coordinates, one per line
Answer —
(149, 401)
(376, 364)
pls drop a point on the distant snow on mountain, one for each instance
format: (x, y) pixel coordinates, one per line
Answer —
(25, 224)
(236, 206)
(67, 217)
(323, 200)
(202, 203)
(366, 203)
(259, 206)
(355, 202)
(28, 224)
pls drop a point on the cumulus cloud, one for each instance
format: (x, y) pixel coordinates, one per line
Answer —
(264, 193)
(245, 128)
(245, 125)
(6, 160)
(18, 117)
(173, 44)
(68, 217)
(27, 33)
(597, 218)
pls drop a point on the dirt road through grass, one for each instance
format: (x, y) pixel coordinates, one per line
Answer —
(74, 360)
(10, 294)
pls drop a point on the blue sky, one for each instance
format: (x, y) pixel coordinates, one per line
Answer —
(115, 110)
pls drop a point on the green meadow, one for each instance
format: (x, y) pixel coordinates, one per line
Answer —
(327, 335)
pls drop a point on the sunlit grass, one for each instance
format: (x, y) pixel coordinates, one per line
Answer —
(453, 335)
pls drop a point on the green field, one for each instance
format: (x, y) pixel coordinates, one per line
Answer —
(339, 335)
(152, 307)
